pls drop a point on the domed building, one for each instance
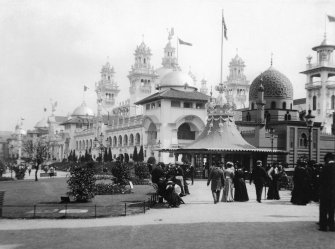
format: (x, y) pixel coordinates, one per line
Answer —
(83, 111)
(177, 80)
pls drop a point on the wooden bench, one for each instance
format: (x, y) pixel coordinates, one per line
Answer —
(2, 197)
(64, 199)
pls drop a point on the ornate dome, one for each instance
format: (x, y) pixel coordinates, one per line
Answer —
(276, 85)
(162, 71)
(83, 110)
(42, 124)
(237, 60)
(176, 78)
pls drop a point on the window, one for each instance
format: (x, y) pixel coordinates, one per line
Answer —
(153, 105)
(284, 105)
(303, 140)
(248, 117)
(252, 106)
(273, 105)
(175, 103)
(185, 132)
(147, 106)
(314, 103)
(332, 105)
(199, 105)
(187, 104)
(159, 104)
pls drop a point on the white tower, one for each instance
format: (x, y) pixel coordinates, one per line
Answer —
(107, 89)
(142, 75)
(237, 84)
(320, 85)
(204, 88)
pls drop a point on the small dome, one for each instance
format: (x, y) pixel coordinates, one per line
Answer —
(237, 60)
(176, 78)
(42, 124)
(83, 110)
(275, 84)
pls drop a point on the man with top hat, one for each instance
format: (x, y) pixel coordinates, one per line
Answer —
(259, 176)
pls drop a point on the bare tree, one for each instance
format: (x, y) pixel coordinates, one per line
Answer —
(36, 151)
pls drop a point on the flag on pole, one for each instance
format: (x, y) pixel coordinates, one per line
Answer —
(181, 42)
(224, 27)
(331, 18)
(85, 88)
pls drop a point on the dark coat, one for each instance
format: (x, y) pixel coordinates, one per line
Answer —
(327, 182)
(258, 175)
(216, 179)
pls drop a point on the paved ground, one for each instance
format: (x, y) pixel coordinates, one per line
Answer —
(197, 224)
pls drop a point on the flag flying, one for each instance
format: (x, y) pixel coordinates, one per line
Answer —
(331, 18)
(224, 27)
(85, 88)
(181, 42)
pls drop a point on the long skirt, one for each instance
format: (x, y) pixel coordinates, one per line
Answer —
(241, 193)
(227, 195)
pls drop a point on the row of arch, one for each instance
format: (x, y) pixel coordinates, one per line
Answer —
(274, 105)
(267, 116)
(239, 91)
(116, 141)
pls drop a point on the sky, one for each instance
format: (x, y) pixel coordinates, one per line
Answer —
(50, 49)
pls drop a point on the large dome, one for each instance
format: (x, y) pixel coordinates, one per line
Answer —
(42, 124)
(83, 110)
(276, 85)
(176, 78)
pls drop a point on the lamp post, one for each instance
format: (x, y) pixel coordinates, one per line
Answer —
(309, 118)
(99, 145)
(272, 130)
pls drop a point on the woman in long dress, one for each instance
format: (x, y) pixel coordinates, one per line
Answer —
(241, 193)
(227, 195)
(274, 174)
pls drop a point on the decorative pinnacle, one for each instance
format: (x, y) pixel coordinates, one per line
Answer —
(221, 88)
(271, 59)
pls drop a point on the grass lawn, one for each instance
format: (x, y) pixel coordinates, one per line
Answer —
(21, 196)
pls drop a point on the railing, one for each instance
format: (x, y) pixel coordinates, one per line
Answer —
(77, 210)
(315, 84)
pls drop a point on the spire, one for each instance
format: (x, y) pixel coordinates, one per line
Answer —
(271, 59)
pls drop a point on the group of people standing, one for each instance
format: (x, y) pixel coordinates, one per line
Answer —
(224, 180)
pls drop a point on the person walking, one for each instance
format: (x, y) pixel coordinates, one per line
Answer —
(216, 179)
(227, 195)
(327, 194)
(241, 193)
(258, 176)
(274, 174)
(301, 184)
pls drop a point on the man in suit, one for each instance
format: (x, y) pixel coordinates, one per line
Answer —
(259, 177)
(217, 182)
(327, 194)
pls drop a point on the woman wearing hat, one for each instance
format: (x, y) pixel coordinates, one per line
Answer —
(227, 195)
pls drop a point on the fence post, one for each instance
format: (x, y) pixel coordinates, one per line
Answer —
(95, 210)
(65, 210)
(34, 211)
(125, 209)
(2, 195)
(144, 206)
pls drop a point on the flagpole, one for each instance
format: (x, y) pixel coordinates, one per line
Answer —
(221, 48)
(177, 52)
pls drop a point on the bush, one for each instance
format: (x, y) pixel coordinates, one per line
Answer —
(82, 182)
(20, 171)
(109, 189)
(121, 172)
(142, 171)
(151, 160)
(5, 178)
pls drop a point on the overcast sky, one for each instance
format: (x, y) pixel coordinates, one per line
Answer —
(51, 49)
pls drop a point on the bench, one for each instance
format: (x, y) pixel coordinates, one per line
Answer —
(64, 199)
(157, 196)
(2, 197)
(48, 174)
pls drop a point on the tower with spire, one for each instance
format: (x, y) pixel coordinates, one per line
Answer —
(237, 84)
(142, 76)
(107, 89)
(320, 84)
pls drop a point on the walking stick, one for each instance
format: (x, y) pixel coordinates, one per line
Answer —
(264, 192)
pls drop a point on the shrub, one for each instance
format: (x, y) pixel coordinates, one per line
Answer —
(82, 182)
(5, 178)
(142, 171)
(121, 173)
(20, 171)
(151, 160)
(108, 189)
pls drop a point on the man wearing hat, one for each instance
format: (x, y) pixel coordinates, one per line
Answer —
(216, 179)
(259, 177)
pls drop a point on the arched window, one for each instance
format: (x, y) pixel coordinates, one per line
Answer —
(184, 132)
(284, 105)
(273, 105)
(314, 103)
(303, 140)
(114, 141)
(77, 145)
(91, 143)
(291, 106)
(267, 117)
(137, 139)
(289, 117)
(332, 105)
(125, 140)
(120, 141)
(110, 142)
(252, 106)
(131, 139)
